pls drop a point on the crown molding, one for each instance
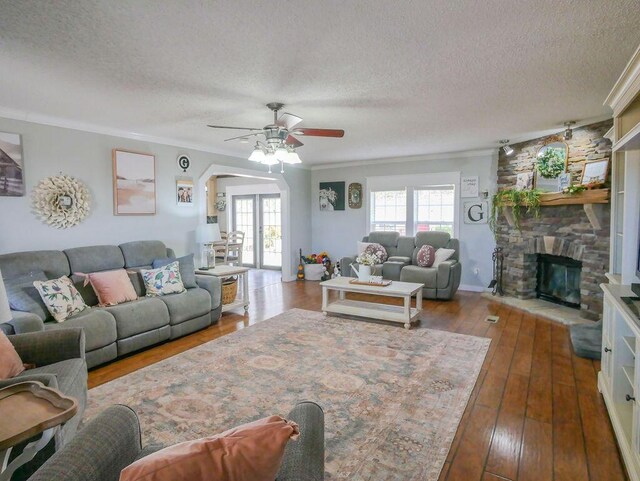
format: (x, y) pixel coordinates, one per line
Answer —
(465, 154)
(35, 118)
(627, 85)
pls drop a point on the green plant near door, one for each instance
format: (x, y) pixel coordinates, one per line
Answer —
(516, 200)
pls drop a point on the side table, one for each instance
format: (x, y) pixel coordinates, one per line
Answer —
(228, 271)
(28, 409)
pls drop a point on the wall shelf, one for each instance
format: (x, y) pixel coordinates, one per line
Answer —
(591, 200)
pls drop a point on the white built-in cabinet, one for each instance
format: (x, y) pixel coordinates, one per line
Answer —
(619, 378)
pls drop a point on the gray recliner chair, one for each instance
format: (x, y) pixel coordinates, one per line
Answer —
(439, 282)
(112, 441)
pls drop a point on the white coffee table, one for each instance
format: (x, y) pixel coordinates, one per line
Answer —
(374, 310)
(227, 271)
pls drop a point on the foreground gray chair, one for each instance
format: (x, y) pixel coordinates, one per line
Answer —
(112, 441)
(59, 357)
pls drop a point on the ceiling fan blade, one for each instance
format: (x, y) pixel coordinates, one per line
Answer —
(243, 136)
(293, 142)
(319, 132)
(234, 128)
(288, 121)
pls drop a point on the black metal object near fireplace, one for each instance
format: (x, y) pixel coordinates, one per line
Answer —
(559, 280)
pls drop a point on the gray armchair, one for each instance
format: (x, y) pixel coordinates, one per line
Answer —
(59, 357)
(112, 441)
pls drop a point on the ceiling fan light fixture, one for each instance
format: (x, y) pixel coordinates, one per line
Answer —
(281, 154)
(257, 155)
(270, 159)
(293, 158)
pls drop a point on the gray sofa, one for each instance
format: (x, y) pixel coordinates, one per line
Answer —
(60, 364)
(112, 331)
(111, 441)
(440, 282)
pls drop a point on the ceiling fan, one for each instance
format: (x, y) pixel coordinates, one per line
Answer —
(279, 145)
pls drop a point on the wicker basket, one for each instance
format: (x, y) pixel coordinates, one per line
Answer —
(229, 290)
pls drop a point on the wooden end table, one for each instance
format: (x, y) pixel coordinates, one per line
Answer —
(28, 409)
(374, 310)
(228, 271)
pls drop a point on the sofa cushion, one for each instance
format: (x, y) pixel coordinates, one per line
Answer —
(23, 296)
(142, 253)
(433, 238)
(406, 245)
(253, 451)
(95, 258)
(10, 362)
(442, 255)
(112, 287)
(61, 298)
(52, 263)
(403, 259)
(426, 256)
(186, 266)
(139, 316)
(377, 250)
(98, 325)
(422, 275)
(187, 305)
(163, 280)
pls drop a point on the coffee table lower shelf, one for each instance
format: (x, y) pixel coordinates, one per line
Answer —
(373, 310)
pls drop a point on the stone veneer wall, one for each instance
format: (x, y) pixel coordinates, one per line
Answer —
(562, 230)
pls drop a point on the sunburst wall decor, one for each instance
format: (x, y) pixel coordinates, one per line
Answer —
(61, 201)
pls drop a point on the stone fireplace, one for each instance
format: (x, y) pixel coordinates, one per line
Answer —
(564, 233)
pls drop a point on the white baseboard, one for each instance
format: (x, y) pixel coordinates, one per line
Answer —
(467, 287)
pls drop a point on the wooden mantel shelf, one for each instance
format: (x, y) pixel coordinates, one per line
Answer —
(591, 201)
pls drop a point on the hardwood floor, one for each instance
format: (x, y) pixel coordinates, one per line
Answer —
(535, 412)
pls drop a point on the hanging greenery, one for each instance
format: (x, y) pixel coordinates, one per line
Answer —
(551, 164)
(516, 200)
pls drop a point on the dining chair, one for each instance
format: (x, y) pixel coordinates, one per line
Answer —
(235, 244)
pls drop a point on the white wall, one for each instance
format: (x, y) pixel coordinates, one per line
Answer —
(87, 156)
(338, 231)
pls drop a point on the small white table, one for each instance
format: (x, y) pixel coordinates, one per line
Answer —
(374, 310)
(227, 271)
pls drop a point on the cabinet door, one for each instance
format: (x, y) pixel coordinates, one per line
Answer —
(607, 345)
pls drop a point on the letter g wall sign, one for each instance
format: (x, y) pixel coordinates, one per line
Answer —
(476, 212)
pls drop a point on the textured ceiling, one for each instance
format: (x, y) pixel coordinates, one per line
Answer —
(400, 77)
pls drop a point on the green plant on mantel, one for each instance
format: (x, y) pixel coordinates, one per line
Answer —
(574, 189)
(516, 200)
(550, 164)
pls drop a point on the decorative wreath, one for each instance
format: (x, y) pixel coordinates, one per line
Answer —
(550, 164)
(61, 201)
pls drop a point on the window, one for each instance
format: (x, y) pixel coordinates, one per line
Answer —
(433, 208)
(389, 211)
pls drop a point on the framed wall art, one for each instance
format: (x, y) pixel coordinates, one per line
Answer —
(355, 195)
(595, 173)
(469, 186)
(331, 196)
(184, 192)
(134, 183)
(11, 165)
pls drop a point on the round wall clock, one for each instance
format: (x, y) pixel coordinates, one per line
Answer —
(184, 162)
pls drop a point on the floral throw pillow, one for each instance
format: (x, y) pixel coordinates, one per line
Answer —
(162, 281)
(426, 256)
(61, 297)
(377, 250)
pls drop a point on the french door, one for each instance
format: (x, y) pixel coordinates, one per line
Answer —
(260, 218)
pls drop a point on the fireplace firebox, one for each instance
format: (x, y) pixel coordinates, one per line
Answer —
(559, 280)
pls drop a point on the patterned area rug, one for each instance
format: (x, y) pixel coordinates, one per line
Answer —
(392, 398)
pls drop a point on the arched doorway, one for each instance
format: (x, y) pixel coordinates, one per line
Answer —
(283, 187)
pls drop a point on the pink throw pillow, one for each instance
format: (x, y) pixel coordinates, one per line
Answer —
(377, 250)
(10, 362)
(252, 451)
(426, 256)
(111, 287)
